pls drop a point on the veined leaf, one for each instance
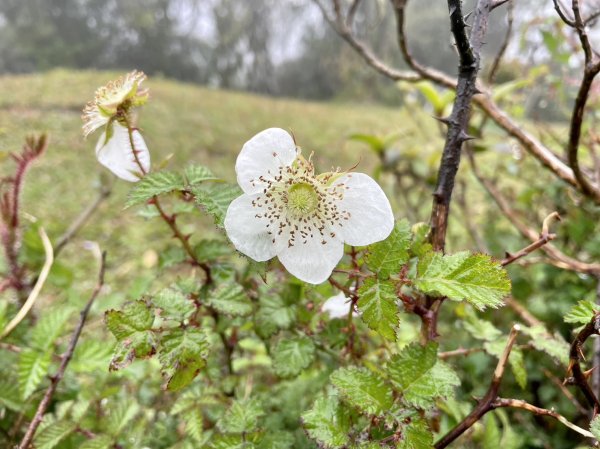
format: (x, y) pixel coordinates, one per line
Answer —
(231, 299)
(552, 344)
(131, 327)
(327, 422)
(98, 442)
(174, 305)
(241, 417)
(33, 368)
(182, 353)
(9, 394)
(595, 427)
(377, 304)
(463, 276)
(416, 435)
(386, 257)
(582, 312)
(216, 199)
(195, 174)
(154, 184)
(53, 434)
(50, 326)
(273, 314)
(363, 389)
(292, 356)
(120, 415)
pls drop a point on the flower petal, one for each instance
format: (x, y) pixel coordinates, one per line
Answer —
(247, 232)
(312, 261)
(371, 218)
(337, 306)
(264, 155)
(117, 155)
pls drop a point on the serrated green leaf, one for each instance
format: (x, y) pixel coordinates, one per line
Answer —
(120, 415)
(33, 368)
(242, 416)
(327, 422)
(491, 435)
(582, 312)
(420, 242)
(195, 174)
(419, 377)
(173, 304)
(274, 314)
(277, 440)
(292, 355)
(552, 344)
(182, 353)
(595, 427)
(49, 327)
(363, 390)
(9, 394)
(194, 424)
(231, 442)
(480, 329)
(216, 199)
(416, 435)
(90, 356)
(475, 278)
(211, 250)
(131, 327)
(98, 442)
(154, 184)
(231, 299)
(378, 307)
(53, 434)
(386, 257)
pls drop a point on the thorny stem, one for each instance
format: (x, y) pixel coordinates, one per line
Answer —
(575, 354)
(486, 403)
(65, 359)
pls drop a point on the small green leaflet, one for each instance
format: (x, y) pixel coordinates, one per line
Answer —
(182, 353)
(386, 257)
(131, 327)
(53, 434)
(327, 422)
(363, 389)
(274, 313)
(292, 355)
(215, 199)
(173, 304)
(32, 370)
(98, 442)
(195, 174)
(231, 299)
(416, 435)
(582, 312)
(420, 377)
(154, 184)
(241, 417)
(378, 307)
(595, 427)
(463, 276)
(515, 360)
(552, 344)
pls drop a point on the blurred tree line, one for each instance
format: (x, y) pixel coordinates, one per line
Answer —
(278, 47)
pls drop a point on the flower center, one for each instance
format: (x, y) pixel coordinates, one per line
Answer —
(302, 199)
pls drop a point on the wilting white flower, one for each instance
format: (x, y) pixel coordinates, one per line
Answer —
(121, 150)
(117, 154)
(116, 97)
(337, 306)
(302, 218)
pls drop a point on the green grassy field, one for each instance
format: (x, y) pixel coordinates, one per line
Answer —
(191, 123)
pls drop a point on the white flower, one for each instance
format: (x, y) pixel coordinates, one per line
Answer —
(337, 306)
(117, 154)
(303, 219)
(116, 97)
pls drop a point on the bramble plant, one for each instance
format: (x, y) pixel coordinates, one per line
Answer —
(316, 312)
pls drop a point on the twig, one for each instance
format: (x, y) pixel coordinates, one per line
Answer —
(81, 220)
(33, 295)
(498, 59)
(559, 9)
(556, 381)
(458, 352)
(66, 358)
(10, 347)
(486, 403)
(518, 403)
(544, 238)
(575, 354)
(522, 312)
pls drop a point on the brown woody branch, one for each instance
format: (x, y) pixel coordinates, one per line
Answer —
(486, 403)
(544, 238)
(65, 359)
(576, 354)
(502, 50)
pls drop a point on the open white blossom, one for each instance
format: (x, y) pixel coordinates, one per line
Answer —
(337, 306)
(302, 218)
(118, 96)
(120, 148)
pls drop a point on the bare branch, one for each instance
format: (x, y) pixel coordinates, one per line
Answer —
(65, 359)
(486, 403)
(544, 238)
(518, 403)
(498, 59)
(559, 9)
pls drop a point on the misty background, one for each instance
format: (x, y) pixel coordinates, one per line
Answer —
(274, 47)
